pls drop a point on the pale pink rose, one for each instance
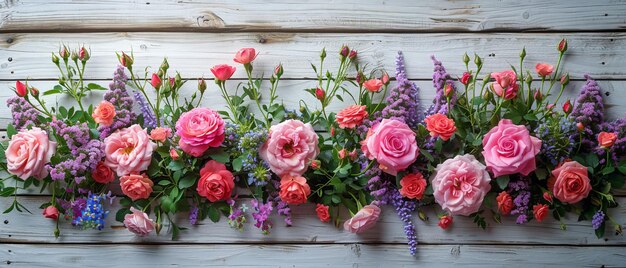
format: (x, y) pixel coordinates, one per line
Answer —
(138, 222)
(290, 148)
(136, 186)
(460, 184)
(160, 134)
(544, 69)
(128, 150)
(352, 116)
(505, 85)
(28, 153)
(392, 143)
(199, 129)
(245, 55)
(373, 85)
(570, 182)
(509, 149)
(104, 113)
(364, 219)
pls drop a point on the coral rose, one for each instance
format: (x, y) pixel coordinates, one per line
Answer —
(570, 182)
(216, 182)
(460, 184)
(102, 174)
(509, 149)
(606, 139)
(138, 222)
(440, 125)
(160, 134)
(291, 146)
(505, 203)
(352, 116)
(544, 69)
(104, 113)
(322, 212)
(51, 212)
(28, 153)
(413, 186)
(373, 85)
(364, 219)
(445, 222)
(128, 150)
(199, 129)
(245, 55)
(294, 190)
(540, 211)
(505, 85)
(392, 143)
(136, 186)
(174, 154)
(223, 72)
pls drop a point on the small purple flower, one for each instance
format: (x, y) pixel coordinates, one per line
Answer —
(597, 220)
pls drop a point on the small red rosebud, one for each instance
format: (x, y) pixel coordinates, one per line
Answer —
(342, 153)
(567, 107)
(332, 131)
(562, 46)
(385, 78)
(352, 54)
(83, 55)
(34, 92)
(320, 94)
(550, 106)
(445, 222)
(315, 164)
(448, 90)
(156, 81)
(174, 154)
(465, 79)
(51, 212)
(345, 50)
(359, 78)
(278, 71)
(125, 60)
(172, 82)
(565, 79)
(548, 197)
(538, 96)
(20, 89)
(580, 126)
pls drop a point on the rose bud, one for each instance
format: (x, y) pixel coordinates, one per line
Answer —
(74, 56)
(83, 54)
(342, 153)
(448, 90)
(332, 131)
(172, 82)
(445, 222)
(477, 60)
(174, 154)
(565, 79)
(567, 107)
(580, 126)
(164, 65)
(64, 53)
(562, 46)
(51, 212)
(550, 106)
(538, 96)
(352, 54)
(466, 58)
(353, 155)
(323, 53)
(125, 60)
(547, 196)
(359, 78)
(20, 89)
(34, 92)
(278, 71)
(315, 164)
(320, 94)
(385, 78)
(55, 59)
(522, 54)
(201, 85)
(345, 50)
(156, 81)
(465, 79)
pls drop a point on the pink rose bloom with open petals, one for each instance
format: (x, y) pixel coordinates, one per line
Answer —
(245, 55)
(509, 149)
(505, 85)
(160, 134)
(570, 182)
(352, 116)
(104, 113)
(392, 143)
(138, 222)
(128, 150)
(28, 153)
(544, 69)
(199, 129)
(290, 148)
(364, 219)
(460, 184)
(136, 186)
(216, 182)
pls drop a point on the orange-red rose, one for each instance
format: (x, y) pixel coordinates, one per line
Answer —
(104, 113)
(413, 186)
(352, 116)
(136, 186)
(445, 222)
(540, 211)
(322, 212)
(505, 203)
(294, 189)
(103, 174)
(606, 139)
(216, 183)
(440, 125)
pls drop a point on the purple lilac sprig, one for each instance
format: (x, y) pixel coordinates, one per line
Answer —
(588, 110)
(441, 78)
(193, 215)
(24, 115)
(520, 188)
(149, 119)
(281, 206)
(237, 216)
(403, 101)
(597, 219)
(121, 100)
(261, 215)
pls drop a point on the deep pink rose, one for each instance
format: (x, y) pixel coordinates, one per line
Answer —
(570, 182)
(505, 85)
(28, 153)
(364, 219)
(128, 150)
(290, 148)
(509, 149)
(392, 143)
(51, 212)
(199, 129)
(216, 182)
(138, 222)
(223, 72)
(460, 184)
(245, 55)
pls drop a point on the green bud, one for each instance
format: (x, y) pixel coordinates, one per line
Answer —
(529, 78)
(466, 58)
(165, 65)
(55, 59)
(201, 85)
(74, 56)
(522, 55)
(478, 61)
(565, 79)
(323, 54)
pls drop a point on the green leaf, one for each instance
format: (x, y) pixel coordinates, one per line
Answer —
(214, 214)
(119, 216)
(616, 180)
(52, 91)
(592, 160)
(8, 191)
(11, 131)
(541, 174)
(175, 165)
(238, 163)
(336, 199)
(221, 157)
(503, 181)
(600, 231)
(187, 181)
(622, 169)
(93, 86)
(427, 155)
(608, 170)
(164, 182)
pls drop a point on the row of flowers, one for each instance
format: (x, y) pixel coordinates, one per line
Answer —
(496, 144)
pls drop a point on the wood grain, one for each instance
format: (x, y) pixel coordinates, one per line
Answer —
(27, 55)
(317, 15)
(335, 255)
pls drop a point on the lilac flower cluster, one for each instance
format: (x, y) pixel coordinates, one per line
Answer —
(193, 215)
(598, 220)
(92, 215)
(440, 80)
(261, 215)
(557, 134)
(619, 147)
(24, 115)
(84, 153)
(149, 119)
(281, 206)
(73, 208)
(521, 187)
(237, 216)
(589, 110)
(403, 102)
(123, 103)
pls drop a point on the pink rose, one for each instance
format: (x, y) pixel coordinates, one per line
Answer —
(570, 182)
(28, 153)
(445, 221)
(509, 149)
(160, 134)
(294, 190)
(505, 85)
(102, 174)
(51, 212)
(104, 113)
(322, 212)
(364, 219)
(138, 222)
(607, 139)
(373, 85)
(128, 150)
(460, 184)
(223, 72)
(540, 211)
(290, 148)
(440, 125)
(392, 143)
(136, 186)
(199, 129)
(216, 182)
(351, 117)
(245, 55)
(544, 69)
(174, 154)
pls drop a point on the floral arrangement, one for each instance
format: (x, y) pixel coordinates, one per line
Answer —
(489, 144)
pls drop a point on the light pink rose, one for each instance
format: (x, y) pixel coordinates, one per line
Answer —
(509, 149)
(460, 184)
(138, 222)
(364, 219)
(160, 134)
(505, 85)
(392, 143)
(570, 182)
(290, 148)
(199, 129)
(28, 153)
(128, 150)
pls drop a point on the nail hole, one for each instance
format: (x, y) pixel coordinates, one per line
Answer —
(6, 221)
(262, 40)
(10, 40)
(603, 63)
(10, 59)
(12, 72)
(147, 3)
(10, 251)
(607, 93)
(8, 262)
(605, 14)
(611, 39)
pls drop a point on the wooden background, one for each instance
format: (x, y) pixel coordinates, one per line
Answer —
(197, 34)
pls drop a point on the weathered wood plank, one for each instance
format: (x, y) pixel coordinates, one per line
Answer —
(348, 255)
(26, 228)
(352, 15)
(603, 55)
